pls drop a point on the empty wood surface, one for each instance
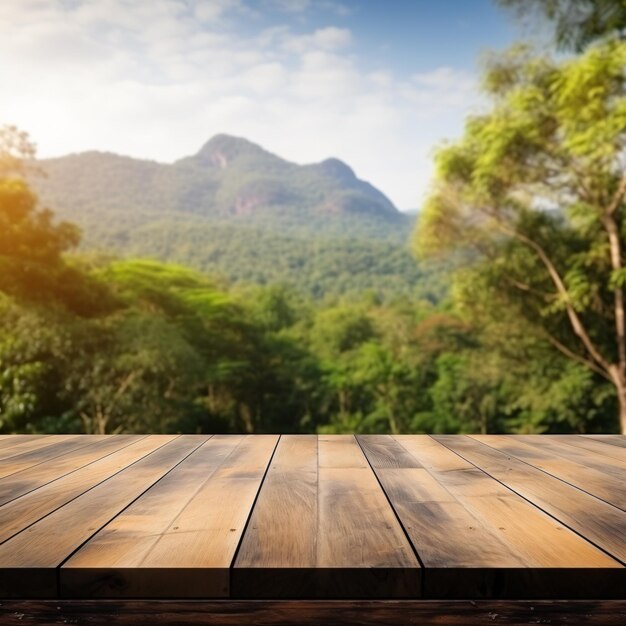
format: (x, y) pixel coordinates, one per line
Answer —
(312, 517)
(23, 461)
(42, 547)
(10, 448)
(614, 440)
(322, 527)
(196, 538)
(21, 512)
(35, 476)
(600, 476)
(12, 440)
(590, 517)
(589, 443)
(505, 546)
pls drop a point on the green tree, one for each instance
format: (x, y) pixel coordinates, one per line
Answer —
(536, 187)
(35, 350)
(132, 372)
(577, 23)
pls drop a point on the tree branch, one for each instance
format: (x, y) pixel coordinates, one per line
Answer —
(573, 316)
(577, 357)
(525, 287)
(608, 221)
(618, 196)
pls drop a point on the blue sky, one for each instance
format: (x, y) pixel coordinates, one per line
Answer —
(377, 83)
(410, 35)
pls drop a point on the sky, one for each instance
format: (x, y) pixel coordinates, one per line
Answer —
(376, 83)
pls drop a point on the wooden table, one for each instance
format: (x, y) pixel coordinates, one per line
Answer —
(249, 523)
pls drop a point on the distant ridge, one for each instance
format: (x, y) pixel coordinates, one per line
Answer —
(228, 176)
(235, 209)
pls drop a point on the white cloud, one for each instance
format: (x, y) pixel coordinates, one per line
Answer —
(329, 38)
(211, 10)
(155, 79)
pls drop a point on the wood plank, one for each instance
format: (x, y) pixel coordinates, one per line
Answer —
(313, 612)
(30, 559)
(112, 563)
(20, 447)
(282, 532)
(11, 440)
(477, 538)
(20, 513)
(32, 458)
(199, 543)
(614, 440)
(191, 517)
(460, 553)
(356, 526)
(340, 451)
(322, 527)
(27, 480)
(603, 478)
(589, 452)
(588, 443)
(597, 521)
(383, 451)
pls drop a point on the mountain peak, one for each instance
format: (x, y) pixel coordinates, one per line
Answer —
(337, 169)
(222, 149)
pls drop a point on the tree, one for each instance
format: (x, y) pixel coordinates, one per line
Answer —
(33, 243)
(577, 23)
(536, 186)
(132, 372)
(17, 153)
(35, 350)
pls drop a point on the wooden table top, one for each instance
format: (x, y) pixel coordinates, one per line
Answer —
(306, 516)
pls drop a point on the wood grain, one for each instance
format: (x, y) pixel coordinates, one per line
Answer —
(13, 448)
(601, 477)
(384, 452)
(24, 481)
(313, 613)
(198, 543)
(23, 461)
(589, 443)
(113, 562)
(10, 440)
(322, 528)
(506, 548)
(597, 521)
(29, 560)
(462, 555)
(309, 519)
(20, 513)
(613, 440)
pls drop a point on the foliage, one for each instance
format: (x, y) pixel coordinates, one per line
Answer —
(340, 333)
(237, 211)
(535, 189)
(577, 23)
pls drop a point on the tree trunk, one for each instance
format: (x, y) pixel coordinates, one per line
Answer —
(619, 381)
(246, 416)
(621, 398)
(393, 423)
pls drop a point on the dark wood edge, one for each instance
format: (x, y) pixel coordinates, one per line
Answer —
(313, 612)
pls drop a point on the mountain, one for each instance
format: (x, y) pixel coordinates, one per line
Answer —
(237, 210)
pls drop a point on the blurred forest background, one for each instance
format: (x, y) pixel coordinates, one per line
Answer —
(503, 312)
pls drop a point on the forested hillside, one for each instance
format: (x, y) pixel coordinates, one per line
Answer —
(319, 322)
(98, 344)
(237, 211)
